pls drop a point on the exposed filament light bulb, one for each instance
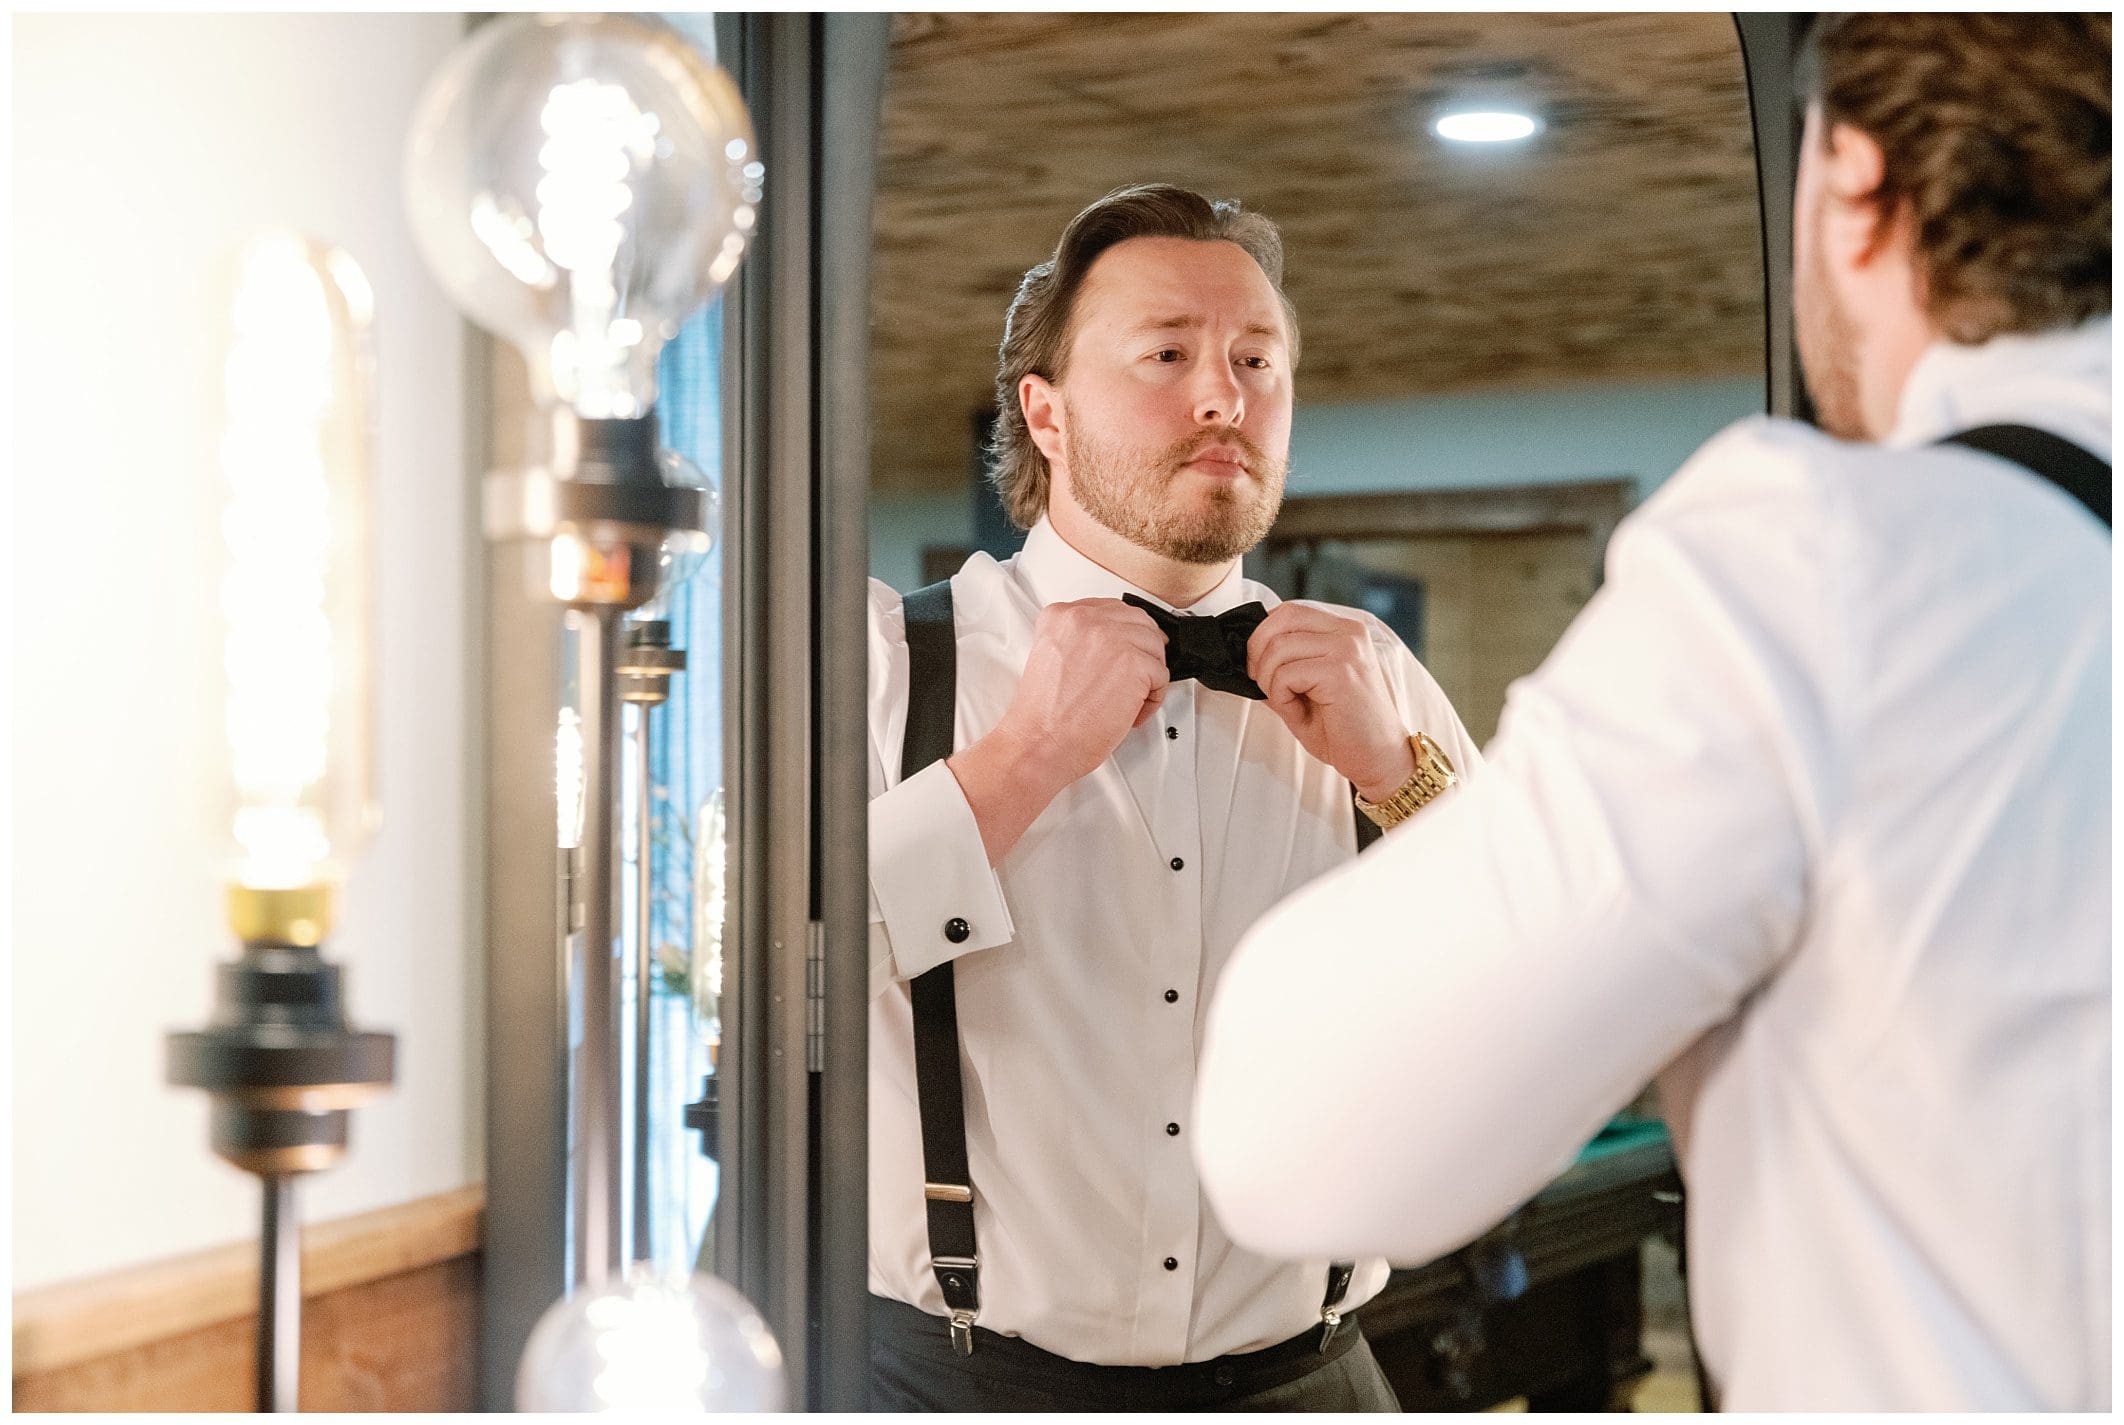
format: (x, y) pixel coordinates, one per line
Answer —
(581, 184)
(295, 458)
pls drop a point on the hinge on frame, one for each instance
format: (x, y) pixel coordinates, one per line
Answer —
(815, 997)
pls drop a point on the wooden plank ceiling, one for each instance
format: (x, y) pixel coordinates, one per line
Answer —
(1620, 243)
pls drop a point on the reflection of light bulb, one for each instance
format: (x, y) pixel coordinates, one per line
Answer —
(711, 903)
(568, 779)
(653, 1341)
(581, 184)
(684, 551)
(294, 593)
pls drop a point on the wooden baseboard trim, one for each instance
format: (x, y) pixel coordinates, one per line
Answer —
(71, 1322)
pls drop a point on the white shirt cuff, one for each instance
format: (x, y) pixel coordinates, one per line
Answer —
(935, 893)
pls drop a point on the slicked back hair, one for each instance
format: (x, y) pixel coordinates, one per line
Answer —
(1041, 324)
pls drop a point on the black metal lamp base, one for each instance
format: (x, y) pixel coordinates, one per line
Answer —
(704, 1116)
(284, 1068)
(281, 1062)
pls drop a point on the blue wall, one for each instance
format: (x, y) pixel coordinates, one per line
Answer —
(1644, 431)
(1513, 437)
(901, 524)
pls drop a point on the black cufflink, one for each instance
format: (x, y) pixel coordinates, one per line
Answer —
(956, 930)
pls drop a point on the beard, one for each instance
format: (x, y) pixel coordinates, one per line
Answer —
(1139, 497)
(1828, 347)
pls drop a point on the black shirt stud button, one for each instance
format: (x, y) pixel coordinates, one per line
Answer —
(1178, 863)
(1226, 1375)
(1172, 734)
(1172, 1264)
(1172, 1130)
(956, 930)
(1172, 996)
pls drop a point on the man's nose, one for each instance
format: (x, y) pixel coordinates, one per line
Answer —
(1218, 400)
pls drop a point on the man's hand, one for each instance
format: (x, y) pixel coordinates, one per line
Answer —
(1323, 678)
(1097, 669)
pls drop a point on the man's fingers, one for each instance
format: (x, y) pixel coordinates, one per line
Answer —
(1146, 636)
(1293, 618)
(1292, 646)
(1125, 615)
(1130, 622)
(1144, 671)
(1265, 634)
(1290, 617)
(1090, 627)
(1280, 694)
(1298, 678)
(1151, 705)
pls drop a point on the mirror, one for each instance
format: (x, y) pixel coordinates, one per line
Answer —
(1506, 346)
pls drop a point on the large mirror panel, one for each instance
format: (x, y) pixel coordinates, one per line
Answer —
(1505, 347)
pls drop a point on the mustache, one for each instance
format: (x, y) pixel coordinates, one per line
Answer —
(1180, 452)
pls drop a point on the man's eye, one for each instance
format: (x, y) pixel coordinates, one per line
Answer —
(1169, 355)
(1259, 363)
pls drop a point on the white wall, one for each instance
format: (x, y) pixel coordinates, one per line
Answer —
(1590, 432)
(145, 148)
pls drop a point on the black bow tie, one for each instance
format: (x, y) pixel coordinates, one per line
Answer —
(1211, 649)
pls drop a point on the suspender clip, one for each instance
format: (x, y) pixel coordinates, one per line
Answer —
(962, 1297)
(1338, 1286)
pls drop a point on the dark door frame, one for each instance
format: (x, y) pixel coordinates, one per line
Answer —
(1769, 48)
(793, 1221)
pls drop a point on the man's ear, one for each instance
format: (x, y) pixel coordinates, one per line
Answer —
(1860, 225)
(1042, 405)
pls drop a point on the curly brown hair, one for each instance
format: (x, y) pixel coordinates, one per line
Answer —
(1994, 129)
(1037, 332)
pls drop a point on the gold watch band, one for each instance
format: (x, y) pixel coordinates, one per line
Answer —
(1434, 773)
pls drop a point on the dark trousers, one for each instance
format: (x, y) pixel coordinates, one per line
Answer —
(913, 1367)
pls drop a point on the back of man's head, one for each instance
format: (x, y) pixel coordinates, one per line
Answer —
(1994, 131)
(1036, 334)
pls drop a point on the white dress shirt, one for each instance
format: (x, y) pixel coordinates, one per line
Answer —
(1081, 986)
(1811, 804)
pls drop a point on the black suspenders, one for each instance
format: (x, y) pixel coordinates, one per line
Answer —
(947, 1188)
(2079, 473)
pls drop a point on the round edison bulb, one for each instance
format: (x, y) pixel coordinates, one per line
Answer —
(652, 1341)
(580, 185)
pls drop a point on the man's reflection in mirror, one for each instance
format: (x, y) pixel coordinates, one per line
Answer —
(1092, 765)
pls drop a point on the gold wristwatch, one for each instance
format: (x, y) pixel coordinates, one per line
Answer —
(1434, 773)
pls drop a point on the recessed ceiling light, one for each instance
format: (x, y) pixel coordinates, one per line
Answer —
(1486, 126)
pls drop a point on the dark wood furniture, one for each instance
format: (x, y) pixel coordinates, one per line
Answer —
(1548, 1304)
